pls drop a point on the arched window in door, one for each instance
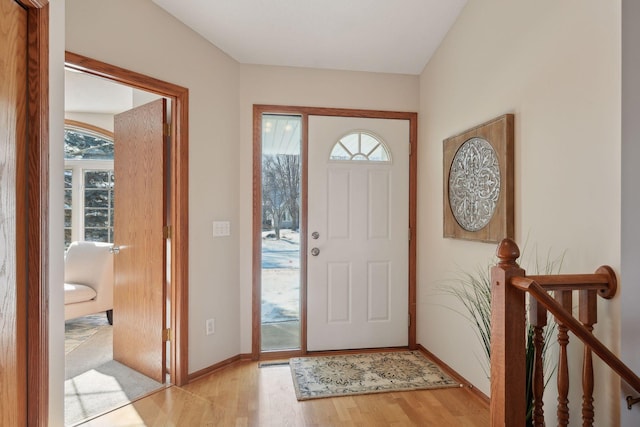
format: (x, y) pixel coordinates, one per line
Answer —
(88, 183)
(360, 146)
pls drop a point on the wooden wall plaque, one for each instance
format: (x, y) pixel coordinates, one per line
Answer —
(478, 182)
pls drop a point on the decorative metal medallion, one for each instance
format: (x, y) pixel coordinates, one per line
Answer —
(474, 184)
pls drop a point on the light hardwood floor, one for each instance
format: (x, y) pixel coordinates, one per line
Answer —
(244, 394)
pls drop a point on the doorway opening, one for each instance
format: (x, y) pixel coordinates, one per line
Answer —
(98, 377)
(98, 212)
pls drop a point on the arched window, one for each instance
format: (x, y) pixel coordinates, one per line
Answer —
(87, 143)
(88, 183)
(360, 146)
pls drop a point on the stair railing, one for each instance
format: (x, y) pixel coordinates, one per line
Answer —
(509, 285)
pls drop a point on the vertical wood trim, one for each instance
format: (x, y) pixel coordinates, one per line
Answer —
(179, 219)
(13, 193)
(413, 226)
(37, 215)
(305, 112)
(179, 195)
(256, 323)
(304, 224)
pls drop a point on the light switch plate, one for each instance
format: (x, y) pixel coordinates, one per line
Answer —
(221, 228)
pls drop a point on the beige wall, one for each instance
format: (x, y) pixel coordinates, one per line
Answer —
(556, 66)
(310, 88)
(141, 37)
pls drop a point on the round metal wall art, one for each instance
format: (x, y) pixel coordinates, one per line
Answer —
(474, 184)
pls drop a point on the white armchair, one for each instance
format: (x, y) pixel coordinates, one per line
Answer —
(88, 280)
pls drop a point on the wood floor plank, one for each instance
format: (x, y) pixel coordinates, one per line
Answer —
(244, 395)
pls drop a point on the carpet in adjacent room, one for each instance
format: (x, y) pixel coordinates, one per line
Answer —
(94, 382)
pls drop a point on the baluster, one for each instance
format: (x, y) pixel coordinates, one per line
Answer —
(538, 319)
(564, 299)
(588, 314)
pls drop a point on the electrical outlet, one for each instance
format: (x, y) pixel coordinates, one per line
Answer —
(211, 326)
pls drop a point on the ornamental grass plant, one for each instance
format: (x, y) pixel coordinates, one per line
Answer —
(472, 289)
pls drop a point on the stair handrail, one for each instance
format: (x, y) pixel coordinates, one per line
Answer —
(534, 289)
(509, 284)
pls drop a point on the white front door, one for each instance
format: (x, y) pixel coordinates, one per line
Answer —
(358, 226)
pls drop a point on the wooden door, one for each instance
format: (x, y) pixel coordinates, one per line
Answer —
(357, 267)
(13, 137)
(139, 219)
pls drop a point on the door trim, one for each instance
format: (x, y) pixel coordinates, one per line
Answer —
(305, 112)
(35, 235)
(178, 194)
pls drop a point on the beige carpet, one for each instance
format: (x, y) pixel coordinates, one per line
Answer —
(94, 382)
(77, 331)
(332, 376)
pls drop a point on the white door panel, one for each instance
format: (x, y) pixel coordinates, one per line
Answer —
(357, 285)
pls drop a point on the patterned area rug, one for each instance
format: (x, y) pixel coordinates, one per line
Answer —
(332, 376)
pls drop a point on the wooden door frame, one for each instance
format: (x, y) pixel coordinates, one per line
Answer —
(178, 195)
(35, 236)
(304, 113)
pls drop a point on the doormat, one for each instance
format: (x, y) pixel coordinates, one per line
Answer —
(332, 376)
(273, 363)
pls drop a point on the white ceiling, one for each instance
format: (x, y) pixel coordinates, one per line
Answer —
(390, 36)
(84, 93)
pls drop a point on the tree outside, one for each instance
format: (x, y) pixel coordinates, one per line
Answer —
(281, 192)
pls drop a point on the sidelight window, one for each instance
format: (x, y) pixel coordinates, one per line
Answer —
(280, 255)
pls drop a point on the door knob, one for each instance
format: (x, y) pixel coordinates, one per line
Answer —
(315, 251)
(114, 250)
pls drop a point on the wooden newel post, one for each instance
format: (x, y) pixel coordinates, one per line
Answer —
(508, 399)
